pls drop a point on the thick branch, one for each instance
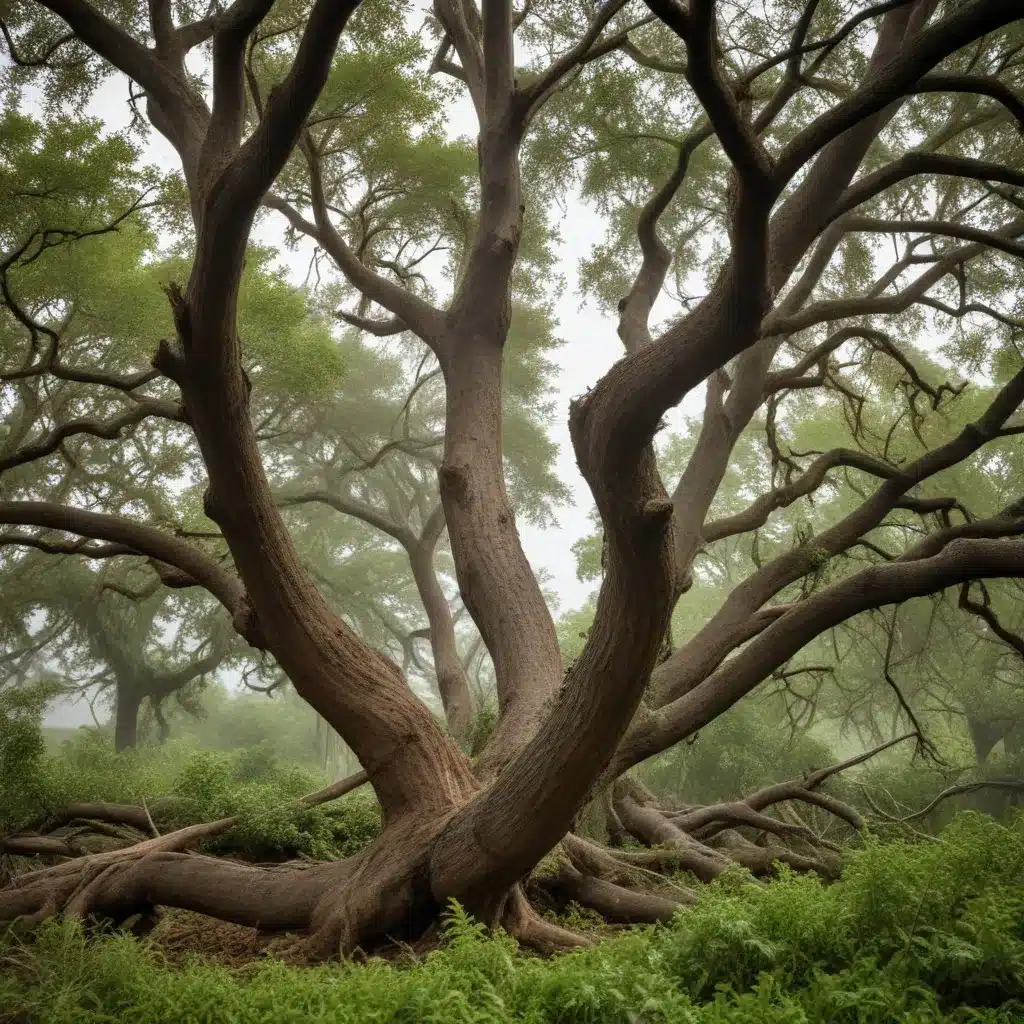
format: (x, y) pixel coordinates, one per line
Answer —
(880, 585)
(967, 22)
(146, 540)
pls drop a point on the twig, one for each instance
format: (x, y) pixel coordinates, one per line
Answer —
(149, 818)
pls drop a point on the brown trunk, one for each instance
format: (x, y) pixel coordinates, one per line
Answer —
(613, 902)
(411, 764)
(984, 736)
(495, 579)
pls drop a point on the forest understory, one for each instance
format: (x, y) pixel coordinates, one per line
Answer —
(827, 903)
(917, 928)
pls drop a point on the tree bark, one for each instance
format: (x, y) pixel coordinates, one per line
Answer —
(126, 718)
(452, 681)
(495, 578)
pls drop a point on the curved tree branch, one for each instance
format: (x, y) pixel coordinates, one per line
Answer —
(140, 538)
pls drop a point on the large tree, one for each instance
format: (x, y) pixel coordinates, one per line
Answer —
(765, 148)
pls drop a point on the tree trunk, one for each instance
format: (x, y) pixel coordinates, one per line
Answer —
(452, 681)
(984, 736)
(495, 579)
(126, 718)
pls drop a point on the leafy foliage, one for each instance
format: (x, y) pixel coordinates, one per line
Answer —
(22, 748)
(182, 784)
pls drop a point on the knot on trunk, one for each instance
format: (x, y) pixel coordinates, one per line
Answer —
(169, 362)
(211, 505)
(657, 511)
(181, 314)
(453, 481)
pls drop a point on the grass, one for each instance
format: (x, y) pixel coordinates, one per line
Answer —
(912, 933)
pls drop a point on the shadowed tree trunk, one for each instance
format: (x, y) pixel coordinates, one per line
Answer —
(126, 718)
(984, 736)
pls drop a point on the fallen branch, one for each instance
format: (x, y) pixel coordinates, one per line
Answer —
(614, 902)
(707, 822)
(171, 842)
(28, 846)
(1012, 785)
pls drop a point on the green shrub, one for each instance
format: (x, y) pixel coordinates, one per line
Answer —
(23, 781)
(203, 785)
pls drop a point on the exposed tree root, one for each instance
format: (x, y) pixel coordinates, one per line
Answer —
(383, 895)
(524, 924)
(613, 902)
(30, 845)
(114, 814)
(707, 840)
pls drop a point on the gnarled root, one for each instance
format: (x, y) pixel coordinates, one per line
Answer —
(706, 840)
(119, 886)
(522, 922)
(613, 902)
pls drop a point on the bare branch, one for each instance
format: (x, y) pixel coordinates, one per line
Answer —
(1012, 785)
(417, 314)
(539, 89)
(113, 44)
(40, 59)
(990, 239)
(920, 163)
(966, 23)
(983, 610)
(351, 507)
(982, 85)
(889, 583)
(379, 328)
(105, 429)
(757, 513)
(461, 24)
